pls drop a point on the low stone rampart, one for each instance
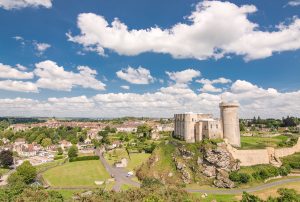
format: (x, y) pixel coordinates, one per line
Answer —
(261, 156)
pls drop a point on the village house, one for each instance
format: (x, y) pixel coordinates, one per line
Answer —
(122, 164)
(114, 144)
(64, 144)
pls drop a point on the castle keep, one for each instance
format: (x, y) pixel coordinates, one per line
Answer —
(194, 127)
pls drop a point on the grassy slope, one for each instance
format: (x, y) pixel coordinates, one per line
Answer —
(256, 142)
(80, 173)
(162, 164)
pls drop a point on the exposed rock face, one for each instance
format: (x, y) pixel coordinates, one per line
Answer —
(186, 154)
(222, 180)
(209, 171)
(186, 177)
(218, 162)
(181, 167)
(221, 158)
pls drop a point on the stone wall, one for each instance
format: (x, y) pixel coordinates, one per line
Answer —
(262, 156)
(288, 151)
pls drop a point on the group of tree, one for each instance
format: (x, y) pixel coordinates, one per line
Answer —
(274, 123)
(19, 187)
(25, 173)
(6, 158)
(47, 136)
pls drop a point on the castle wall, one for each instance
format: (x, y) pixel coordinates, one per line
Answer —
(288, 151)
(261, 156)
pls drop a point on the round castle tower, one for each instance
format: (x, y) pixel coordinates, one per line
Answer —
(230, 122)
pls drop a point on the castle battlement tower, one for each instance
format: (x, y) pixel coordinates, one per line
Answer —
(230, 122)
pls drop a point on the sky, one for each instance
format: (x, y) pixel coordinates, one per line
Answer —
(154, 58)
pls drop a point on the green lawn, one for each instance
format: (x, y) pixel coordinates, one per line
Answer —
(74, 174)
(256, 142)
(45, 166)
(135, 160)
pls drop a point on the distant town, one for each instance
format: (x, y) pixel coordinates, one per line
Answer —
(122, 153)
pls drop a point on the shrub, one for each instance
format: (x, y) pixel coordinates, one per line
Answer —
(58, 157)
(84, 158)
(284, 170)
(239, 177)
(73, 152)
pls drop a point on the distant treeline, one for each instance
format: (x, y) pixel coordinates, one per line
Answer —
(271, 123)
(15, 120)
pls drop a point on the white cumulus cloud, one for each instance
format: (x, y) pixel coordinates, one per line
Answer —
(139, 75)
(19, 86)
(18, 4)
(213, 30)
(41, 47)
(125, 87)
(208, 84)
(254, 101)
(184, 76)
(54, 77)
(9, 72)
(294, 3)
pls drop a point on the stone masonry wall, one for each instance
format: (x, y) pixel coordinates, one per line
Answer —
(261, 156)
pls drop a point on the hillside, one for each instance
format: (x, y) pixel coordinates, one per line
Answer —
(176, 162)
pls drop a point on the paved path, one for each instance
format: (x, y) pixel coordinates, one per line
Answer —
(240, 191)
(118, 173)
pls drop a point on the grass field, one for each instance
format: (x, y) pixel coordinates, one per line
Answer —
(135, 160)
(75, 174)
(45, 166)
(256, 142)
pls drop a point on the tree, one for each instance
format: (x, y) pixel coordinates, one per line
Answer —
(288, 195)
(73, 152)
(46, 142)
(250, 198)
(144, 129)
(6, 158)
(27, 172)
(59, 151)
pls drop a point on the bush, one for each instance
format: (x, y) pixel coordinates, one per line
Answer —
(239, 177)
(27, 172)
(84, 158)
(58, 157)
(265, 173)
(73, 152)
(284, 170)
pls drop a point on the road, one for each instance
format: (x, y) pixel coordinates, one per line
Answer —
(240, 191)
(118, 173)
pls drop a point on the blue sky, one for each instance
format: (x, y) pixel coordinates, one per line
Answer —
(256, 49)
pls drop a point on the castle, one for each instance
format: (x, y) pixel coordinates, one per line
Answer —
(193, 127)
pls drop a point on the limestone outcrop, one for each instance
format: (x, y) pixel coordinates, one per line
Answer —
(217, 163)
(222, 180)
(182, 168)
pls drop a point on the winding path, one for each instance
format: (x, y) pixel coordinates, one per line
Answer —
(240, 191)
(118, 173)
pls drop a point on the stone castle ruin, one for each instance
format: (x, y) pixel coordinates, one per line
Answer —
(193, 127)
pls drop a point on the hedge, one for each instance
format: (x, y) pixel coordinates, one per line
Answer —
(58, 157)
(83, 158)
